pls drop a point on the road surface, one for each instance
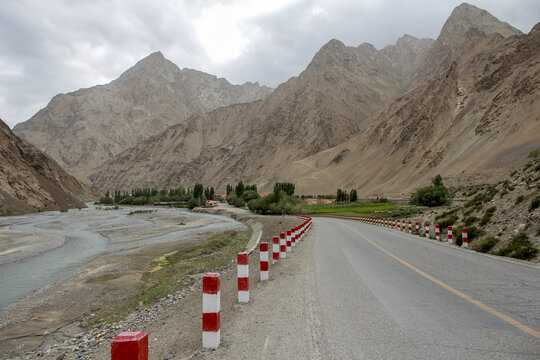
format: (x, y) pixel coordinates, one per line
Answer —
(357, 291)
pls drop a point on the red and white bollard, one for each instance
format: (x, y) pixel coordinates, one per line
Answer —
(289, 241)
(130, 346)
(427, 230)
(465, 237)
(404, 225)
(450, 240)
(263, 252)
(417, 227)
(293, 236)
(275, 249)
(437, 232)
(410, 227)
(282, 246)
(211, 310)
(243, 277)
(399, 224)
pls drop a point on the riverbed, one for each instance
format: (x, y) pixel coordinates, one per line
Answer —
(38, 250)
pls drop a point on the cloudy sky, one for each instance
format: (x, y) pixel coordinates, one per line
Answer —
(58, 46)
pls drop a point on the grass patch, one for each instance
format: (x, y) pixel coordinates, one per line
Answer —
(485, 245)
(481, 198)
(140, 212)
(520, 199)
(520, 248)
(470, 220)
(447, 214)
(447, 221)
(181, 223)
(487, 215)
(374, 209)
(535, 203)
(172, 272)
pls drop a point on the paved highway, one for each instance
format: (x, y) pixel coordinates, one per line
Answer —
(385, 294)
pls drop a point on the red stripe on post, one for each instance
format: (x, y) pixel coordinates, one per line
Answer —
(130, 346)
(263, 246)
(211, 283)
(264, 265)
(243, 258)
(243, 284)
(211, 321)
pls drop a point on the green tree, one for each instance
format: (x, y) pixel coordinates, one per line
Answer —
(239, 188)
(435, 195)
(198, 190)
(354, 195)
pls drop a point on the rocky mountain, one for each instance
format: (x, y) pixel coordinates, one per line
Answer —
(473, 122)
(84, 128)
(334, 99)
(471, 118)
(31, 181)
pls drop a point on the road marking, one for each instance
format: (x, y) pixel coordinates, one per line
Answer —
(481, 305)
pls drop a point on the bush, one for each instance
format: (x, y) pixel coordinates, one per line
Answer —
(235, 200)
(273, 204)
(519, 199)
(106, 200)
(470, 220)
(472, 233)
(194, 202)
(534, 153)
(520, 248)
(248, 195)
(446, 214)
(430, 196)
(486, 244)
(535, 203)
(448, 221)
(488, 215)
(482, 198)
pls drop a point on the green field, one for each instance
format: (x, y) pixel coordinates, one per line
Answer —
(373, 209)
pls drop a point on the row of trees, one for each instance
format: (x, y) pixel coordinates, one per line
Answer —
(143, 196)
(342, 196)
(241, 194)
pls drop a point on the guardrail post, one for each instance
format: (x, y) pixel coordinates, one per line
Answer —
(465, 237)
(289, 241)
(130, 346)
(243, 277)
(427, 230)
(437, 232)
(450, 240)
(263, 252)
(211, 310)
(282, 246)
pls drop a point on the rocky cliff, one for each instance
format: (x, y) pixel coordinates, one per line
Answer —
(31, 181)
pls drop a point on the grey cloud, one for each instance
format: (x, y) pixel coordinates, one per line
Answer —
(61, 46)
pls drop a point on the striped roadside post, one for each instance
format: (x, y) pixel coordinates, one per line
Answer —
(465, 237)
(437, 232)
(211, 310)
(410, 227)
(404, 225)
(289, 242)
(293, 236)
(399, 224)
(450, 240)
(243, 277)
(263, 253)
(130, 345)
(417, 228)
(427, 230)
(282, 246)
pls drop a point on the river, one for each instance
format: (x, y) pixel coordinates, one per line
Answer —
(56, 244)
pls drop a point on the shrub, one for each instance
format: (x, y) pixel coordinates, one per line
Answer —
(435, 195)
(446, 214)
(488, 215)
(519, 199)
(194, 202)
(486, 244)
(106, 200)
(472, 233)
(535, 203)
(520, 247)
(470, 220)
(534, 153)
(235, 200)
(482, 198)
(448, 221)
(63, 210)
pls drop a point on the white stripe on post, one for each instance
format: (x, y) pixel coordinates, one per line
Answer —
(211, 310)
(263, 252)
(243, 277)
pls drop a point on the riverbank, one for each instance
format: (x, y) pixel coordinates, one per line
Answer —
(63, 309)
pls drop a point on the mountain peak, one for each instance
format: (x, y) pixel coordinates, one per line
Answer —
(468, 21)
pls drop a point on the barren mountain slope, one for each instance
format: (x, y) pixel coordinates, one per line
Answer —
(331, 101)
(30, 180)
(84, 128)
(471, 123)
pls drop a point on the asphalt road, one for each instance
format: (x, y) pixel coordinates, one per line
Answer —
(384, 294)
